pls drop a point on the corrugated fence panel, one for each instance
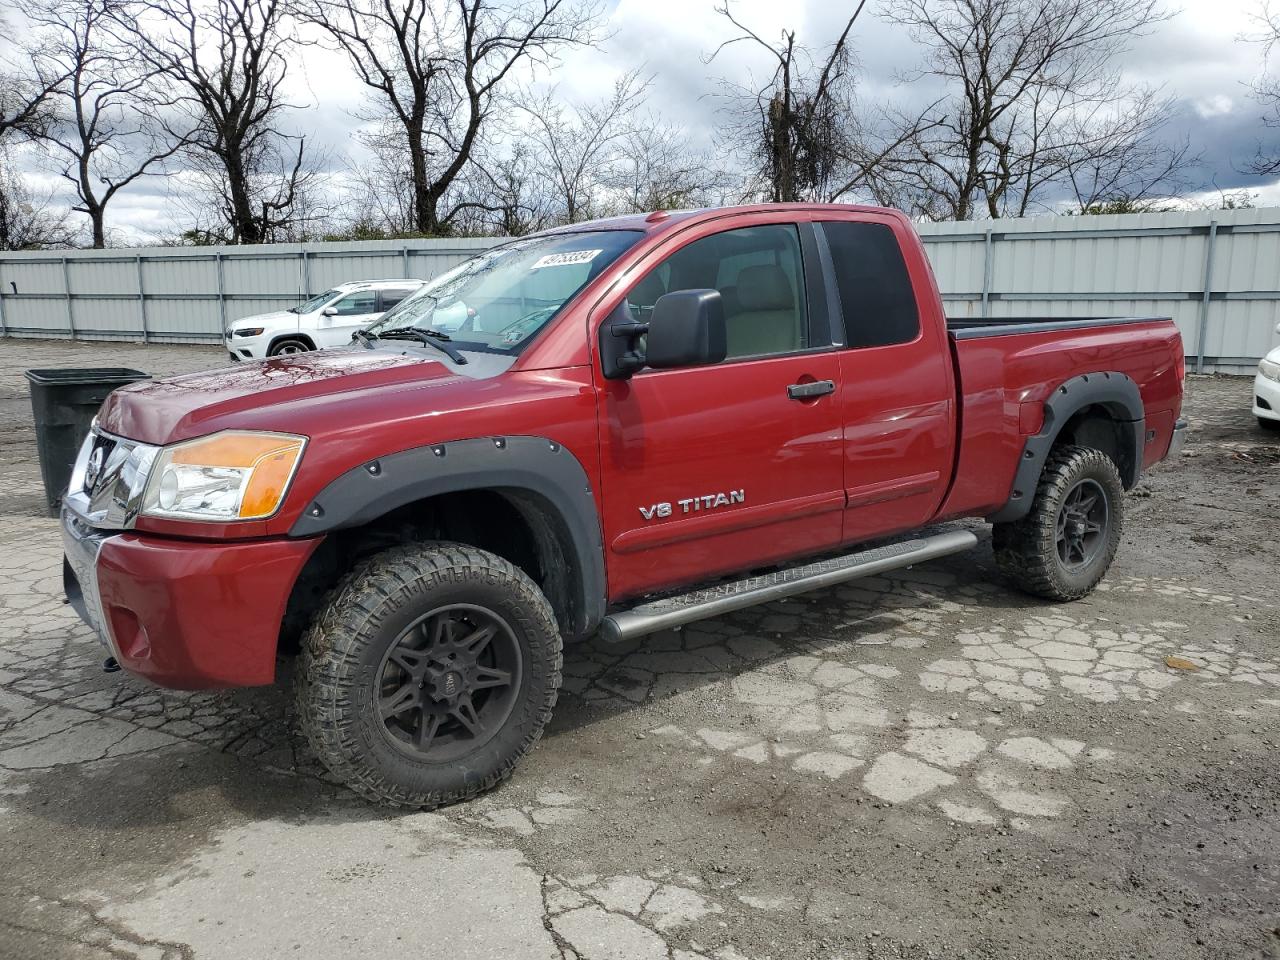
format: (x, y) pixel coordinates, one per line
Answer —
(329, 270)
(180, 275)
(37, 316)
(181, 321)
(39, 274)
(1211, 271)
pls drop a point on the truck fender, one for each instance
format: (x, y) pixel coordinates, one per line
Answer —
(520, 465)
(1114, 391)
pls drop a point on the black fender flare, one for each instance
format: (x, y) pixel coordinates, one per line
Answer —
(1115, 391)
(521, 465)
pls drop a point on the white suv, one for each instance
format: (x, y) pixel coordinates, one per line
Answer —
(1266, 390)
(326, 320)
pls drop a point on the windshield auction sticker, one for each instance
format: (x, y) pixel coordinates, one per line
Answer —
(568, 259)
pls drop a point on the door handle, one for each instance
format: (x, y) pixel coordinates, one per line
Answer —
(808, 391)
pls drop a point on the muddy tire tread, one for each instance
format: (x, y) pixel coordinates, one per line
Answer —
(329, 662)
(1026, 550)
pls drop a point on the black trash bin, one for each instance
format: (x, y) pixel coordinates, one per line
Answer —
(64, 403)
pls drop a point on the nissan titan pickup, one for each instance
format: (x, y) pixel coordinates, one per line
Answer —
(610, 428)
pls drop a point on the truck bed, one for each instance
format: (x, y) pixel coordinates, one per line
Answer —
(1006, 367)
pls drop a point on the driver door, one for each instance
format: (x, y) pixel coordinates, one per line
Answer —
(718, 469)
(352, 312)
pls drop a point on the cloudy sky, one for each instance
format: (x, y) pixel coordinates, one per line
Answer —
(1197, 57)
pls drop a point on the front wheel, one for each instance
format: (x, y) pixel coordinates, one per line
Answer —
(288, 347)
(1064, 545)
(1266, 423)
(430, 672)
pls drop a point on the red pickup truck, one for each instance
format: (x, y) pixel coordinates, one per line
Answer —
(619, 426)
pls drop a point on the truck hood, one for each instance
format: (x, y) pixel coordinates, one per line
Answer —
(178, 408)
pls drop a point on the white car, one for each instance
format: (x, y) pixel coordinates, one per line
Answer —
(1266, 391)
(326, 320)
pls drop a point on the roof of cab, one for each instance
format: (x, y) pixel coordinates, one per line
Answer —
(661, 219)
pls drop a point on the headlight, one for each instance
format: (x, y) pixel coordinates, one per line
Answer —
(1269, 369)
(247, 331)
(227, 476)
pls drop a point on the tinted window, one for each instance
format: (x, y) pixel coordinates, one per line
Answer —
(391, 297)
(876, 296)
(357, 304)
(759, 275)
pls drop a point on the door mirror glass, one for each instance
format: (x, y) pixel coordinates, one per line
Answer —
(686, 329)
(329, 311)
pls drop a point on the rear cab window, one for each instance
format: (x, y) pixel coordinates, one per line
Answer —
(876, 298)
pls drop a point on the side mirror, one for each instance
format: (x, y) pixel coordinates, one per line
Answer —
(686, 329)
(329, 312)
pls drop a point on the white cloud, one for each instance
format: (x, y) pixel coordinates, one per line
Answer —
(1197, 56)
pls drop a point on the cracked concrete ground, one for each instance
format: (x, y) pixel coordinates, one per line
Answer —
(924, 764)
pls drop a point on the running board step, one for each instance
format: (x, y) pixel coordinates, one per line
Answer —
(726, 597)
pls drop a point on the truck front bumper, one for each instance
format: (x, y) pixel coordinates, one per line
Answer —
(183, 614)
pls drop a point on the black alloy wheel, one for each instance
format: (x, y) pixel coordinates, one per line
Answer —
(429, 672)
(1082, 524)
(448, 682)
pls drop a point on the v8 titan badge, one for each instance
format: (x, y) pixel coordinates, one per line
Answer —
(708, 501)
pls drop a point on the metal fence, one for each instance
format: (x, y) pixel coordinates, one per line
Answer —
(1216, 273)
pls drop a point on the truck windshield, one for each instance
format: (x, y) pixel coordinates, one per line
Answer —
(497, 301)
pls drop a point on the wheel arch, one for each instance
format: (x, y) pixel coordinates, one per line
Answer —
(1102, 410)
(280, 337)
(526, 499)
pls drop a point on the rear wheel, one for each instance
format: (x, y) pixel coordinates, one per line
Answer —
(288, 346)
(1066, 542)
(430, 672)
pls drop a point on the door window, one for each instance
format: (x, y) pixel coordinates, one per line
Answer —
(760, 276)
(358, 303)
(391, 297)
(876, 297)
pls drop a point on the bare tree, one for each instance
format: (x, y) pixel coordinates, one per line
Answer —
(26, 82)
(436, 68)
(807, 136)
(659, 171)
(226, 61)
(795, 121)
(28, 221)
(102, 128)
(1121, 159)
(582, 145)
(1266, 88)
(505, 191)
(1036, 106)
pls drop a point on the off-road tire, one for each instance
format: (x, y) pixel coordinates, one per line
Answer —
(1026, 550)
(1271, 426)
(289, 346)
(336, 683)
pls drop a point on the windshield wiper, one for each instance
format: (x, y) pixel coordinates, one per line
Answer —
(365, 338)
(432, 338)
